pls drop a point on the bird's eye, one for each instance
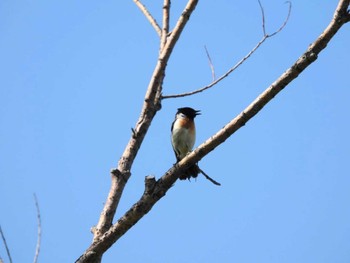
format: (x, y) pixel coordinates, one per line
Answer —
(182, 115)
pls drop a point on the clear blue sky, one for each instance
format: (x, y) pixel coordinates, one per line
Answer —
(73, 78)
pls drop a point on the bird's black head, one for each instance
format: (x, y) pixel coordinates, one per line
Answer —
(189, 112)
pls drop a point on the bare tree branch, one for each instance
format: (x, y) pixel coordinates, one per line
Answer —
(263, 17)
(149, 17)
(121, 174)
(221, 77)
(165, 29)
(212, 69)
(285, 21)
(5, 244)
(239, 63)
(156, 190)
(38, 243)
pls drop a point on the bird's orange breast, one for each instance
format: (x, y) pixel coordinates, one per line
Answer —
(186, 123)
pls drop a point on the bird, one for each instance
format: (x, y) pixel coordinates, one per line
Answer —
(183, 137)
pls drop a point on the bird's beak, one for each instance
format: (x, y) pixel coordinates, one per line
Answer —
(198, 112)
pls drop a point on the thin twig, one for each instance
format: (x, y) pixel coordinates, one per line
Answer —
(263, 17)
(264, 38)
(285, 21)
(282, 26)
(221, 77)
(149, 17)
(166, 18)
(210, 64)
(5, 244)
(38, 242)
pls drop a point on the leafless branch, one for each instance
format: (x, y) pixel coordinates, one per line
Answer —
(264, 38)
(263, 17)
(149, 17)
(221, 77)
(38, 243)
(282, 26)
(5, 244)
(155, 191)
(121, 174)
(210, 64)
(285, 21)
(165, 29)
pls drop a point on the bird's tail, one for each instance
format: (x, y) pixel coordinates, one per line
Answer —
(193, 172)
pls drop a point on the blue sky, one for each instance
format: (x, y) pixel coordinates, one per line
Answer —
(73, 78)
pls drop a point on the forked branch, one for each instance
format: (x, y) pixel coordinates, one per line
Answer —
(121, 174)
(239, 63)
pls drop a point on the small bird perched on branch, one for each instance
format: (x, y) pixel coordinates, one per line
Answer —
(183, 136)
